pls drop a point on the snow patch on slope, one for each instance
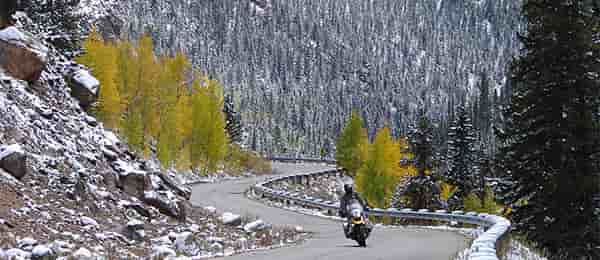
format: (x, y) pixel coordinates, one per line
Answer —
(10, 149)
(11, 34)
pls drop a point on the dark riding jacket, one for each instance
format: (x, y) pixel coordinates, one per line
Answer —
(346, 199)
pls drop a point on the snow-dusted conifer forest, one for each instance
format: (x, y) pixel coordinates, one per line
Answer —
(296, 69)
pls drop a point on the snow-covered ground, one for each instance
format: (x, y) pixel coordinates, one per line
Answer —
(515, 251)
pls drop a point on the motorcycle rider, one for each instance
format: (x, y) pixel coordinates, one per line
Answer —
(349, 195)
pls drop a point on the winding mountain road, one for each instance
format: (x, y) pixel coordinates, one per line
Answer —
(328, 241)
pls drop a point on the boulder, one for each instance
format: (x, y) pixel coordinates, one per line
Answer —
(231, 219)
(210, 210)
(21, 56)
(7, 9)
(186, 243)
(13, 160)
(42, 252)
(133, 183)
(161, 201)
(255, 226)
(27, 243)
(109, 178)
(162, 252)
(134, 230)
(15, 253)
(173, 185)
(87, 221)
(82, 254)
(84, 88)
(139, 210)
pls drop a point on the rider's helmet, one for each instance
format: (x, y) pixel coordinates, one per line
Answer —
(348, 187)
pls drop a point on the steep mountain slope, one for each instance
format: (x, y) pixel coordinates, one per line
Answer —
(298, 68)
(69, 187)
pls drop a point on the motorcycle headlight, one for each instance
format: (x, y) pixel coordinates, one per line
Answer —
(355, 214)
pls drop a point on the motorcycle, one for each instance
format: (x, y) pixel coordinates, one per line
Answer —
(359, 228)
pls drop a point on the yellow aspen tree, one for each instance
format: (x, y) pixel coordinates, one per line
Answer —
(171, 84)
(209, 137)
(199, 133)
(352, 145)
(129, 87)
(148, 70)
(101, 59)
(184, 128)
(109, 100)
(126, 78)
(218, 139)
(378, 177)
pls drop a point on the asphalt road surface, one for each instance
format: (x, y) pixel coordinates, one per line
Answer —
(328, 241)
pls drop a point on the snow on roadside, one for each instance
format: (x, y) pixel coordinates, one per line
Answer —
(516, 251)
(10, 149)
(11, 34)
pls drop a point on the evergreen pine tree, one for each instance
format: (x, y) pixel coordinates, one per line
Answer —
(550, 143)
(484, 110)
(421, 191)
(461, 157)
(421, 138)
(352, 145)
(484, 169)
(233, 121)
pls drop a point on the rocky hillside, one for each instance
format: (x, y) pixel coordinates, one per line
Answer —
(70, 187)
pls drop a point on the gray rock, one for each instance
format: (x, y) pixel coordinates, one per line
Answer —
(42, 252)
(255, 226)
(187, 244)
(162, 252)
(8, 8)
(133, 183)
(172, 184)
(231, 219)
(15, 253)
(139, 210)
(27, 243)
(83, 254)
(13, 160)
(134, 230)
(21, 57)
(163, 204)
(84, 88)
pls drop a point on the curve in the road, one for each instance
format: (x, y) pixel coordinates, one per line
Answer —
(328, 241)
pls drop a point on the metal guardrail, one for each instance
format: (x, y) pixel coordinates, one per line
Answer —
(482, 248)
(301, 160)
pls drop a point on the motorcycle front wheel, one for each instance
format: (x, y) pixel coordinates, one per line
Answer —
(361, 236)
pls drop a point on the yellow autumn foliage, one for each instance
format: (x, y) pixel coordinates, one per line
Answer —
(146, 99)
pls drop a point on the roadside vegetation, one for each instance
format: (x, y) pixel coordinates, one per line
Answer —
(164, 108)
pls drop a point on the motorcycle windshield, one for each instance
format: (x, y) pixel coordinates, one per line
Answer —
(355, 206)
